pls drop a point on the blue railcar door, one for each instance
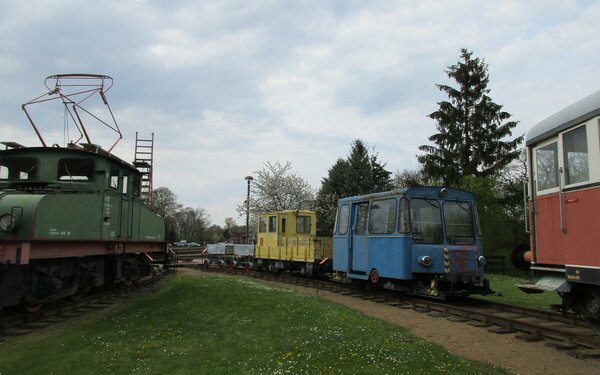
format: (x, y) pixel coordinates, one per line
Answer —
(358, 241)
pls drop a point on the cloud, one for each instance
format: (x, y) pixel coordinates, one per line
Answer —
(226, 86)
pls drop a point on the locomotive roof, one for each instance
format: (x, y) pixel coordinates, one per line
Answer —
(94, 152)
(574, 114)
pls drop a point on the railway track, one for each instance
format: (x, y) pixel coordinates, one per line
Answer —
(17, 323)
(563, 332)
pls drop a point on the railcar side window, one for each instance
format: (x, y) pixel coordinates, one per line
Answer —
(272, 224)
(18, 168)
(383, 216)
(303, 225)
(426, 221)
(459, 223)
(75, 169)
(404, 224)
(547, 166)
(262, 225)
(344, 217)
(575, 151)
(360, 221)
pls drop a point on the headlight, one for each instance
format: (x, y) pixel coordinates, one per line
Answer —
(424, 260)
(8, 222)
(481, 260)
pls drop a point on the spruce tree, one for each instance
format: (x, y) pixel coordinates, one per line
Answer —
(360, 173)
(471, 128)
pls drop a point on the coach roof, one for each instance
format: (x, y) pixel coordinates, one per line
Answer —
(574, 114)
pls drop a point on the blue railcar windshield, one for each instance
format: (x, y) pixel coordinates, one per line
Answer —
(459, 224)
(426, 221)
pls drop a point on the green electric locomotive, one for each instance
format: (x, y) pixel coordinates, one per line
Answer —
(71, 219)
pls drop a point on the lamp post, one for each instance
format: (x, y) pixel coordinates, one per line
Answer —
(248, 178)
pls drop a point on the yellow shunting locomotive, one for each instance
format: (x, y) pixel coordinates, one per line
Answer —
(287, 241)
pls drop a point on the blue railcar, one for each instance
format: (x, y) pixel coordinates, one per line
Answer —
(424, 240)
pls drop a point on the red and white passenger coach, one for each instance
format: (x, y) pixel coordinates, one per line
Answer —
(564, 206)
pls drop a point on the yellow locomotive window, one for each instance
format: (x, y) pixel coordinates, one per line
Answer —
(272, 224)
(262, 225)
(303, 225)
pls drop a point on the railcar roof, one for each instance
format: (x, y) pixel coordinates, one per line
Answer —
(417, 191)
(575, 113)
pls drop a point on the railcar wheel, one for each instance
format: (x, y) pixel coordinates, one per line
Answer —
(374, 276)
(32, 307)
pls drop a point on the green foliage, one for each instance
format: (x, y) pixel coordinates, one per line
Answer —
(471, 128)
(360, 173)
(226, 325)
(500, 229)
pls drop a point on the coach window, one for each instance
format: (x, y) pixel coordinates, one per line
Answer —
(17, 168)
(383, 216)
(282, 227)
(75, 169)
(303, 225)
(576, 156)
(404, 224)
(262, 225)
(426, 221)
(343, 219)
(272, 224)
(546, 162)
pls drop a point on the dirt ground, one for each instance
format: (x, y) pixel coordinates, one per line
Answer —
(504, 351)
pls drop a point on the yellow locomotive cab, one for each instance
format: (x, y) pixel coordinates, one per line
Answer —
(287, 240)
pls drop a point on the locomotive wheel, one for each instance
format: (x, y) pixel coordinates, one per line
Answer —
(374, 276)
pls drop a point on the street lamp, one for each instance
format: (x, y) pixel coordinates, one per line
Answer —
(248, 178)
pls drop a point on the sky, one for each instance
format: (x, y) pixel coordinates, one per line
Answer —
(228, 85)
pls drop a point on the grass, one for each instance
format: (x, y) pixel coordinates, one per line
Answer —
(510, 294)
(228, 325)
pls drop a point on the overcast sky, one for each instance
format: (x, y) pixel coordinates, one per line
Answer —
(228, 85)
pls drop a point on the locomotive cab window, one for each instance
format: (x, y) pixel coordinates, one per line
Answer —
(383, 216)
(272, 224)
(114, 178)
(18, 168)
(459, 223)
(303, 225)
(76, 169)
(575, 152)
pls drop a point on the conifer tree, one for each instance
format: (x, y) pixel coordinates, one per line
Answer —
(360, 173)
(471, 128)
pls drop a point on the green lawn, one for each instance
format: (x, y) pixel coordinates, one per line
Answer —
(510, 294)
(227, 325)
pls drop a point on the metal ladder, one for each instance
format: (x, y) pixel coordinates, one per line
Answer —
(144, 149)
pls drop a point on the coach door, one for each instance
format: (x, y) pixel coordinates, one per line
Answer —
(358, 247)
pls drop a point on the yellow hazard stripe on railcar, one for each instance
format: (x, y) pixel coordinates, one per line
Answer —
(446, 260)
